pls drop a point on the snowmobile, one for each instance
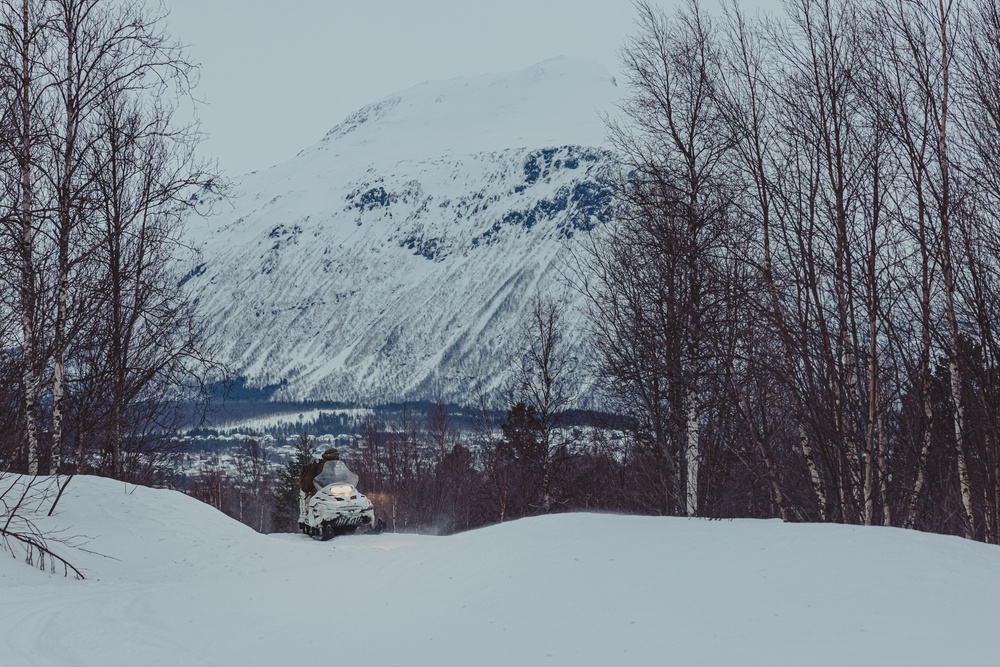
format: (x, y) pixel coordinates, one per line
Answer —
(337, 507)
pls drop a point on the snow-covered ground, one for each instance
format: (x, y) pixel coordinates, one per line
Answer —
(170, 581)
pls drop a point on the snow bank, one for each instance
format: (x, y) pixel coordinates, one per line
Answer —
(178, 583)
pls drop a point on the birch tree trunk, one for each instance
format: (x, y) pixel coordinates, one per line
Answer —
(693, 454)
(926, 402)
(948, 273)
(65, 222)
(28, 296)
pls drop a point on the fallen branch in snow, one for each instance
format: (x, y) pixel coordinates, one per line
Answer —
(19, 532)
(36, 549)
(97, 553)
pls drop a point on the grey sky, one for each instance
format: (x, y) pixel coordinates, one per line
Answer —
(277, 74)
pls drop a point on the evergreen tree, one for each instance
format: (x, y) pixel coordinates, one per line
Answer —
(525, 453)
(286, 490)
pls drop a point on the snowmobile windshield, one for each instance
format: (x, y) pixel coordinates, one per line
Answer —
(335, 472)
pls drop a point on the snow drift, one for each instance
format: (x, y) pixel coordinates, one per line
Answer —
(395, 258)
(171, 581)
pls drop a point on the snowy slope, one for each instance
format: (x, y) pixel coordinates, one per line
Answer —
(179, 583)
(394, 259)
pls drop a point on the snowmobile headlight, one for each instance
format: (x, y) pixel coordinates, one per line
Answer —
(340, 490)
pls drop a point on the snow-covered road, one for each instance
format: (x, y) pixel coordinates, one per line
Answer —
(178, 583)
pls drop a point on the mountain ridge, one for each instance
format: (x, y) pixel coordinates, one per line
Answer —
(394, 259)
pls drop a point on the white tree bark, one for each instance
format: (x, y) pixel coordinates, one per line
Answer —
(28, 283)
(693, 457)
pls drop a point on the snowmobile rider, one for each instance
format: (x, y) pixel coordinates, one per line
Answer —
(334, 471)
(328, 470)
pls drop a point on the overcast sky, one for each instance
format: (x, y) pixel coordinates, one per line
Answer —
(277, 74)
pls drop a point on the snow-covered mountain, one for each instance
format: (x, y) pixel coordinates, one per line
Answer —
(395, 258)
(171, 581)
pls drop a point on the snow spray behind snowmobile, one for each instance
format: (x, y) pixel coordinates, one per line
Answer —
(335, 506)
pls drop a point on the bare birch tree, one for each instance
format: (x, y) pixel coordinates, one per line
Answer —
(97, 176)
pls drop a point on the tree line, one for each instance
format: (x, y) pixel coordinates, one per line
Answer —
(97, 344)
(797, 303)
